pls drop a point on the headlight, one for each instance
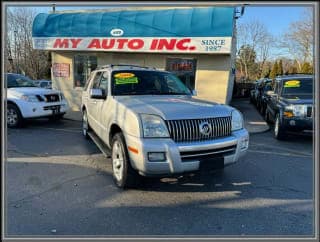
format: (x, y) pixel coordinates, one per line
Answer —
(237, 120)
(295, 110)
(153, 126)
(29, 98)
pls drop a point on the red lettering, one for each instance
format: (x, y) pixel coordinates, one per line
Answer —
(61, 43)
(135, 44)
(181, 44)
(121, 43)
(108, 43)
(164, 43)
(154, 44)
(95, 43)
(75, 42)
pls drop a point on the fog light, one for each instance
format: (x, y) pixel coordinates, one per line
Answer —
(292, 122)
(156, 156)
(244, 143)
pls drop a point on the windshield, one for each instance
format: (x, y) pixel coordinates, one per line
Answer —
(297, 87)
(16, 80)
(137, 82)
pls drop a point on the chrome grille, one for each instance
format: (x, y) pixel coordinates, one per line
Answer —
(188, 130)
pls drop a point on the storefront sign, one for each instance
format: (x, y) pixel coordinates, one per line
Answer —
(61, 70)
(206, 45)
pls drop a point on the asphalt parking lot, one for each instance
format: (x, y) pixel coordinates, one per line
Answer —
(58, 183)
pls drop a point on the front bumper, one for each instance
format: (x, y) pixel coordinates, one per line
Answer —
(41, 109)
(298, 125)
(185, 157)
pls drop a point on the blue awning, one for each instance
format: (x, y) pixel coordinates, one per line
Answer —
(190, 22)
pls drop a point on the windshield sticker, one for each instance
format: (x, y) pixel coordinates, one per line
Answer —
(292, 83)
(127, 80)
(124, 75)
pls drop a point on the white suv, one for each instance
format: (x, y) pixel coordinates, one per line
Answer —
(152, 126)
(26, 101)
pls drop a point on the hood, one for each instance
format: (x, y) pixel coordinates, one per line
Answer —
(307, 99)
(18, 91)
(175, 107)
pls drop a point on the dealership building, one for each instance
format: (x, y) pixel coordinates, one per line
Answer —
(197, 44)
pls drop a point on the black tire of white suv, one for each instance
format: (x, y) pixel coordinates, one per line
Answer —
(85, 125)
(14, 117)
(124, 175)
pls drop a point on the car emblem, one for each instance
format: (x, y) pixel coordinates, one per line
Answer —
(116, 32)
(205, 128)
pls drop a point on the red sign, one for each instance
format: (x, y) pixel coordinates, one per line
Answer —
(61, 70)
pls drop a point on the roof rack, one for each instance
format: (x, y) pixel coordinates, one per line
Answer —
(115, 65)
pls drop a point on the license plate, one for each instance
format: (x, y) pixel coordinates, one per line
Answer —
(212, 163)
(55, 110)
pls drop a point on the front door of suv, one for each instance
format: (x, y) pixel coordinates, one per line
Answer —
(94, 104)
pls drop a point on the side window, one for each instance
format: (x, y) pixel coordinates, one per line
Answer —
(88, 81)
(96, 80)
(83, 65)
(104, 81)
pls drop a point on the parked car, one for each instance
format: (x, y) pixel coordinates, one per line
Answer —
(151, 125)
(291, 105)
(262, 97)
(43, 83)
(26, 101)
(255, 92)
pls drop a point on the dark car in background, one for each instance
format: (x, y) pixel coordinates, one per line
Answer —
(254, 92)
(262, 97)
(291, 105)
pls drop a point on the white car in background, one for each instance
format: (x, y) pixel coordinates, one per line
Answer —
(26, 101)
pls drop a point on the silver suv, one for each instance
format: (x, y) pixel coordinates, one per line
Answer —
(150, 124)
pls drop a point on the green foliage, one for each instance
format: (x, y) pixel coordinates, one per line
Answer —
(280, 68)
(306, 68)
(274, 71)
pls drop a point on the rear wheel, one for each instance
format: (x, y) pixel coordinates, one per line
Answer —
(279, 132)
(123, 174)
(14, 117)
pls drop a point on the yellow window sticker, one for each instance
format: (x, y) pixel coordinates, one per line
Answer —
(292, 83)
(124, 75)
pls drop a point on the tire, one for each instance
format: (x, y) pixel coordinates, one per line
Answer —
(279, 132)
(85, 125)
(266, 116)
(262, 110)
(14, 117)
(124, 175)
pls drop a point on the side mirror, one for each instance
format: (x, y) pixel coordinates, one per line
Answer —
(270, 93)
(194, 93)
(97, 93)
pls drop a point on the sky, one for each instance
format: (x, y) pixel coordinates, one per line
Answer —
(276, 18)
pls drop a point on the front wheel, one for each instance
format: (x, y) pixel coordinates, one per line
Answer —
(85, 125)
(14, 117)
(279, 132)
(123, 174)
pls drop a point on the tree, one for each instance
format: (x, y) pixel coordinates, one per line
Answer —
(299, 40)
(24, 59)
(255, 35)
(246, 61)
(274, 70)
(306, 68)
(280, 68)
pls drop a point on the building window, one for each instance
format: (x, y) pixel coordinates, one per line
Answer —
(83, 65)
(185, 69)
